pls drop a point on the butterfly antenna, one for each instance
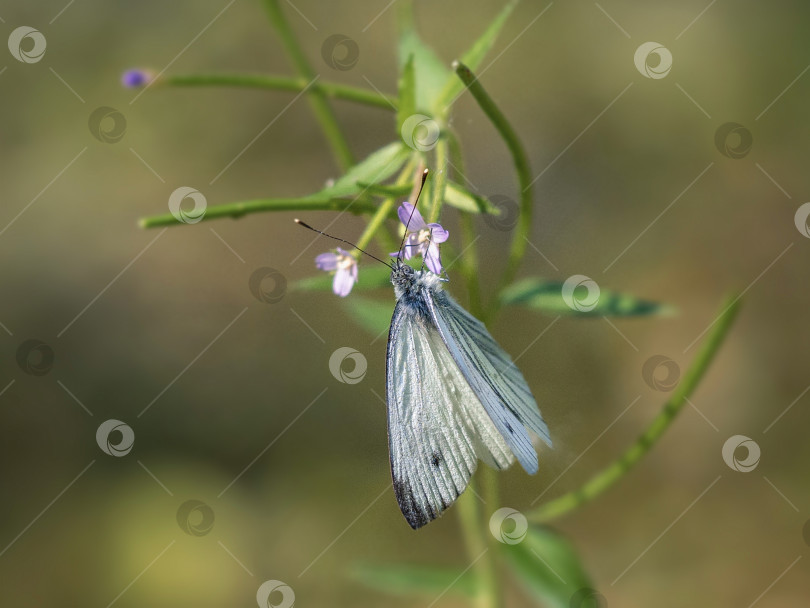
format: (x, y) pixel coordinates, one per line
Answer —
(305, 225)
(415, 203)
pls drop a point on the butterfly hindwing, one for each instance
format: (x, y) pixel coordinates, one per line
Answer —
(437, 427)
(494, 379)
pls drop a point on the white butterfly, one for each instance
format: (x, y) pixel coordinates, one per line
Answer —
(454, 397)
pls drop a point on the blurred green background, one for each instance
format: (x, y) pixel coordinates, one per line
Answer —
(301, 499)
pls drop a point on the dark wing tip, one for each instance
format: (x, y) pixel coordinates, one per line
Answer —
(415, 516)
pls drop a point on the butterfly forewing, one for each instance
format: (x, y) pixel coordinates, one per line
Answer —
(437, 427)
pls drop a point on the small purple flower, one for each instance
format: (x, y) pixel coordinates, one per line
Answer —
(422, 239)
(345, 268)
(137, 78)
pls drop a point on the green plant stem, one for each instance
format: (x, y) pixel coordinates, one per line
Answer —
(439, 179)
(518, 247)
(238, 209)
(320, 104)
(478, 549)
(281, 83)
(619, 468)
(386, 209)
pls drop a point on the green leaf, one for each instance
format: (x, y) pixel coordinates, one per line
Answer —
(392, 191)
(406, 579)
(473, 57)
(459, 197)
(372, 277)
(547, 296)
(550, 569)
(372, 315)
(376, 167)
(407, 93)
(430, 72)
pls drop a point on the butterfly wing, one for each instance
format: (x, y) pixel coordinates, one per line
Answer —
(492, 376)
(437, 427)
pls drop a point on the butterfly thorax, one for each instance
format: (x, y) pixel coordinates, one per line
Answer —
(412, 283)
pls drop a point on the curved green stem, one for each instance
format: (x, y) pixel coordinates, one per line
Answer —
(619, 468)
(320, 105)
(518, 247)
(238, 209)
(281, 83)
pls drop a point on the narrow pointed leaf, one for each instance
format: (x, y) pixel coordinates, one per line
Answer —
(459, 197)
(474, 55)
(406, 579)
(430, 72)
(376, 167)
(547, 296)
(548, 566)
(407, 93)
(384, 190)
(372, 315)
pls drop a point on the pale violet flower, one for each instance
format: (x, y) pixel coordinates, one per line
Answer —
(137, 78)
(422, 239)
(343, 265)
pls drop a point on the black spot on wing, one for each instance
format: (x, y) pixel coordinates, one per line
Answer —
(436, 459)
(415, 517)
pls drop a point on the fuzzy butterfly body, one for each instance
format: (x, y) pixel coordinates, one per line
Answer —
(454, 397)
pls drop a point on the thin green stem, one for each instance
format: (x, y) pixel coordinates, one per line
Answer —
(439, 179)
(478, 548)
(518, 247)
(238, 209)
(320, 104)
(386, 209)
(281, 83)
(619, 468)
